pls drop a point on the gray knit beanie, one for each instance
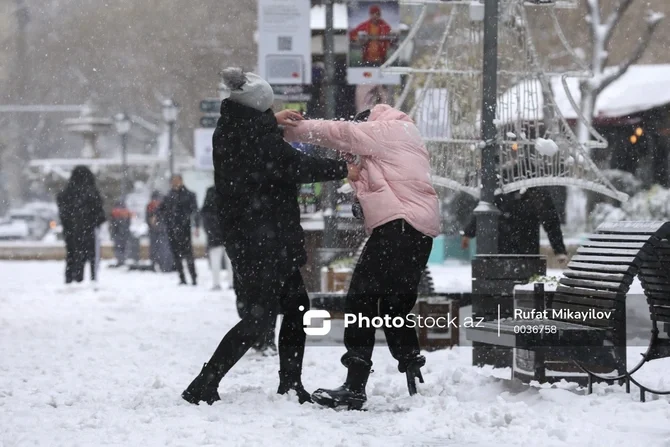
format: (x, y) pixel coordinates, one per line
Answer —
(247, 89)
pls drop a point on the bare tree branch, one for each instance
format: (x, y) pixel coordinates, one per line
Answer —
(614, 19)
(653, 20)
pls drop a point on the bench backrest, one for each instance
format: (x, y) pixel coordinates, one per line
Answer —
(599, 276)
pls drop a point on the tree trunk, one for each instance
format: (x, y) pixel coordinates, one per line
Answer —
(576, 203)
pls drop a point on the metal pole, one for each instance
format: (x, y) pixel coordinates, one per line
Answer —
(330, 222)
(124, 165)
(170, 148)
(486, 212)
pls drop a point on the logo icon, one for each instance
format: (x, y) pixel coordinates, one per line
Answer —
(315, 315)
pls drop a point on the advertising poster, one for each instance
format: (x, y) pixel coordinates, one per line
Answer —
(374, 35)
(285, 42)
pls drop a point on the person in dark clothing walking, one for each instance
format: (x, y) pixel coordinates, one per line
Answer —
(522, 213)
(119, 229)
(177, 210)
(257, 176)
(81, 212)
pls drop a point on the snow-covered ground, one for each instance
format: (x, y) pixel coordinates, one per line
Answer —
(80, 367)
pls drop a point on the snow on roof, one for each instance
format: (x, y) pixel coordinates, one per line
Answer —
(643, 87)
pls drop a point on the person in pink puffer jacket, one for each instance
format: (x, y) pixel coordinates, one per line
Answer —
(401, 214)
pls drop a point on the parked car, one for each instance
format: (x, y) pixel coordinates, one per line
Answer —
(30, 222)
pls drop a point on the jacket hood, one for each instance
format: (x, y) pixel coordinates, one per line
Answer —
(384, 112)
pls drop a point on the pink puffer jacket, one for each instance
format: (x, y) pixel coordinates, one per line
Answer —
(395, 169)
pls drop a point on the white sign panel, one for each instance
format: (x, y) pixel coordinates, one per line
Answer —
(285, 42)
(374, 35)
(202, 147)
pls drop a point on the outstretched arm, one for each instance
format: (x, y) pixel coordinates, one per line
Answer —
(344, 136)
(289, 165)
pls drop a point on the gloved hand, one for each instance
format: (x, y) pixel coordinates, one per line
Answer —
(562, 260)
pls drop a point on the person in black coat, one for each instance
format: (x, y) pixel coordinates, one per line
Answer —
(177, 210)
(257, 177)
(521, 214)
(81, 212)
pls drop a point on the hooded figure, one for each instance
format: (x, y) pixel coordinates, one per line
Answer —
(400, 211)
(257, 177)
(81, 213)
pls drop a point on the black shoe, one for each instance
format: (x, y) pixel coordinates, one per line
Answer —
(342, 396)
(352, 393)
(412, 370)
(204, 388)
(286, 384)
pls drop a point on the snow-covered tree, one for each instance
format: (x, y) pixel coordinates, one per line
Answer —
(601, 30)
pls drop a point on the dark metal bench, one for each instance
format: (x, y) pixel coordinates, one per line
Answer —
(597, 280)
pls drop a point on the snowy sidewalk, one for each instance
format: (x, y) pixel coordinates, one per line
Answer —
(89, 368)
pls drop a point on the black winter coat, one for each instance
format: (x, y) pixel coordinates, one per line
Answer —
(80, 209)
(520, 220)
(257, 176)
(176, 211)
(210, 218)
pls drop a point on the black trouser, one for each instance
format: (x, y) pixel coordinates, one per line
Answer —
(266, 292)
(244, 305)
(183, 250)
(385, 282)
(77, 253)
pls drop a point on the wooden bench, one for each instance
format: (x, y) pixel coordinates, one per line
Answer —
(596, 284)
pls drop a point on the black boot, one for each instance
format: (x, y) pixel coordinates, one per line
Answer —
(292, 381)
(412, 369)
(203, 388)
(352, 393)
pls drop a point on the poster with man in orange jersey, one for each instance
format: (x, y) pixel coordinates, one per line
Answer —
(374, 35)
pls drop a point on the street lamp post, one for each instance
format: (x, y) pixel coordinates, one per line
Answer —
(123, 124)
(170, 113)
(330, 220)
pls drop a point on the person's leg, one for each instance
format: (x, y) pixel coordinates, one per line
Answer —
(359, 339)
(69, 262)
(215, 258)
(188, 254)
(411, 249)
(264, 288)
(294, 304)
(229, 269)
(411, 252)
(178, 261)
(365, 290)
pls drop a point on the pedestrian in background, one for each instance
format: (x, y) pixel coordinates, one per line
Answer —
(521, 214)
(80, 208)
(179, 211)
